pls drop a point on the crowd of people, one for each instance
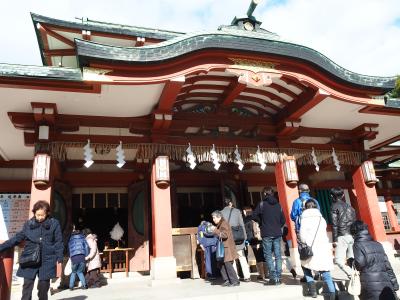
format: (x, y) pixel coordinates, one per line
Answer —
(262, 230)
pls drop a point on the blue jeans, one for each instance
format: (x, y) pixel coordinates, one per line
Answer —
(326, 277)
(77, 269)
(275, 272)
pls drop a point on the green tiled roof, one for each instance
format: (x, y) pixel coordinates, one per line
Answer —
(56, 73)
(262, 41)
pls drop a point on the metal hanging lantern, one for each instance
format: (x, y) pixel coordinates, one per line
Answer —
(41, 169)
(290, 170)
(368, 171)
(162, 172)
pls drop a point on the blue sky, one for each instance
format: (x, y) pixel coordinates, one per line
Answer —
(360, 35)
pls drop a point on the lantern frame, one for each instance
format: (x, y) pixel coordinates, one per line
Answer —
(368, 171)
(290, 170)
(41, 169)
(161, 176)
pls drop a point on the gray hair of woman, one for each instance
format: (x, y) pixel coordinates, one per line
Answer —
(216, 213)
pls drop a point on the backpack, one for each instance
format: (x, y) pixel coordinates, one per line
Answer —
(253, 231)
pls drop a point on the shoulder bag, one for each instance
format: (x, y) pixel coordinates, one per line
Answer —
(305, 251)
(354, 287)
(31, 256)
(237, 231)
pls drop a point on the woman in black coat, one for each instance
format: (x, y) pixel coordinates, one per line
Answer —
(378, 280)
(45, 231)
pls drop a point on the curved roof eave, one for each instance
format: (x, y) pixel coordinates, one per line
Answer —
(53, 73)
(108, 27)
(236, 40)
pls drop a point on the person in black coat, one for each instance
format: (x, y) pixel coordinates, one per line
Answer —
(378, 280)
(46, 231)
(269, 215)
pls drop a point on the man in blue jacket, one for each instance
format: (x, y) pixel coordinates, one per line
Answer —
(298, 205)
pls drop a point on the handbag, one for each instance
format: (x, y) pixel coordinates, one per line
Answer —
(31, 256)
(354, 287)
(237, 232)
(305, 251)
(68, 268)
(220, 253)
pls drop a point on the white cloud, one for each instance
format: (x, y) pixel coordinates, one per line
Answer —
(358, 35)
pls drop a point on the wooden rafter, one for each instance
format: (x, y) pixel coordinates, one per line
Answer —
(304, 103)
(267, 94)
(293, 82)
(60, 52)
(263, 102)
(232, 92)
(58, 36)
(169, 94)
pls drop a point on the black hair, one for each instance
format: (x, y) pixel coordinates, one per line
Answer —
(86, 231)
(227, 201)
(357, 227)
(41, 204)
(310, 204)
(268, 191)
(336, 194)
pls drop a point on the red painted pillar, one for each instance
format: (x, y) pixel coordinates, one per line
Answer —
(391, 214)
(287, 194)
(6, 268)
(161, 219)
(367, 201)
(163, 262)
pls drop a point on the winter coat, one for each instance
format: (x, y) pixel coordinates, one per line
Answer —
(376, 274)
(49, 231)
(77, 245)
(204, 237)
(343, 215)
(93, 258)
(224, 231)
(235, 220)
(269, 215)
(297, 208)
(322, 260)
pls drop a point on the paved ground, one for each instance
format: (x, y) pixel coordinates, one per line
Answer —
(139, 287)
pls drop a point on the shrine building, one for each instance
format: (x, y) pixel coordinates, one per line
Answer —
(152, 129)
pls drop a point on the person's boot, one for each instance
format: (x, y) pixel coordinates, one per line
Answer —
(260, 269)
(294, 274)
(332, 296)
(312, 289)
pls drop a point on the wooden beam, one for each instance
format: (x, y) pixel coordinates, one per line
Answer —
(267, 94)
(15, 186)
(308, 100)
(365, 131)
(384, 153)
(60, 52)
(288, 127)
(170, 92)
(232, 92)
(30, 138)
(58, 36)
